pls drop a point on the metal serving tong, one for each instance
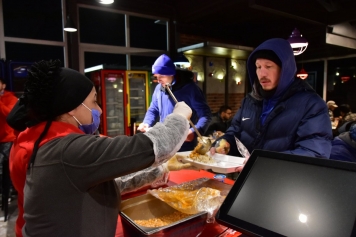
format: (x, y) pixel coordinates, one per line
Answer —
(205, 142)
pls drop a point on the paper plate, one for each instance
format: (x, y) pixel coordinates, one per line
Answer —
(224, 163)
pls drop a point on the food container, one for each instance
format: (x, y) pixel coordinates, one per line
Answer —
(147, 206)
(223, 164)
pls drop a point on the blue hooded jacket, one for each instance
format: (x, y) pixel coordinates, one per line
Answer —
(294, 120)
(184, 89)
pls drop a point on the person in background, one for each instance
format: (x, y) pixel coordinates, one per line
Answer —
(346, 115)
(59, 160)
(282, 113)
(7, 136)
(331, 106)
(184, 89)
(344, 145)
(220, 121)
(7, 133)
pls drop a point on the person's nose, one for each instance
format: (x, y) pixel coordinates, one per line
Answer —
(99, 109)
(263, 73)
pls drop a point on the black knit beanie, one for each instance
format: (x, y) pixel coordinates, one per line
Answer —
(51, 90)
(70, 91)
(267, 54)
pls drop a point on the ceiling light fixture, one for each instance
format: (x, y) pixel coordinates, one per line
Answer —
(298, 43)
(302, 74)
(181, 60)
(105, 1)
(69, 26)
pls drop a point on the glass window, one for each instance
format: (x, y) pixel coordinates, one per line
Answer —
(111, 61)
(33, 52)
(44, 17)
(315, 77)
(342, 82)
(142, 62)
(145, 33)
(109, 27)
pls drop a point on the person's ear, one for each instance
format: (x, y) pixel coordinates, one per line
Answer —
(73, 112)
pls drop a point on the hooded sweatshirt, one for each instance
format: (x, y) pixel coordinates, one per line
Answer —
(294, 120)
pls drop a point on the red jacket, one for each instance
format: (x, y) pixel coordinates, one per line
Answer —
(7, 102)
(20, 155)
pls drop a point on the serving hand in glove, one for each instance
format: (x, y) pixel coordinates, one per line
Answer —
(183, 109)
(143, 127)
(175, 164)
(222, 147)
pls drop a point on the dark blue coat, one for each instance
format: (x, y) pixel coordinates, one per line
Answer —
(343, 148)
(295, 119)
(184, 89)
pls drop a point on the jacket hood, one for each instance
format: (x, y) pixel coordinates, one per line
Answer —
(283, 50)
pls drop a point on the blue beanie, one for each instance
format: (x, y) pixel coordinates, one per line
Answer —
(164, 66)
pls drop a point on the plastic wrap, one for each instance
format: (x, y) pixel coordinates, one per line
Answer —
(191, 198)
(242, 149)
(150, 177)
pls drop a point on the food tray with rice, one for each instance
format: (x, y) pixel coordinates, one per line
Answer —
(218, 162)
(147, 215)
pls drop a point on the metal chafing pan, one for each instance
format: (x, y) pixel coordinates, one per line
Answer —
(147, 206)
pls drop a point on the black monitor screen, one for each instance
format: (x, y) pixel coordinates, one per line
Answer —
(293, 196)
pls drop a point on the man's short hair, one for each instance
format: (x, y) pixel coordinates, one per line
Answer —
(2, 80)
(224, 108)
(345, 108)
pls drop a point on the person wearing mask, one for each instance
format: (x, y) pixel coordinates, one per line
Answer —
(70, 180)
(344, 145)
(184, 89)
(220, 121)
(282, 113)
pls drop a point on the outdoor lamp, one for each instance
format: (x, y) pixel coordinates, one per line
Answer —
(105, 1)
(302, 74)
(298, 42)
(181, 60)
(69, 26)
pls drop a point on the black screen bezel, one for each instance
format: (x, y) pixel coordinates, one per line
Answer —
(253, 230)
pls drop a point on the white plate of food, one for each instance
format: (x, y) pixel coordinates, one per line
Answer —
(218, 162)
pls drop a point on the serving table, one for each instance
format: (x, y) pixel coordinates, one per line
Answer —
(178, 177)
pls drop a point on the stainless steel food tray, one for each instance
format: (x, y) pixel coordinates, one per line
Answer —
(147, 206)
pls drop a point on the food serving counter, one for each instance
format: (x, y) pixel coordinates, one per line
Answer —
(178, 177)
